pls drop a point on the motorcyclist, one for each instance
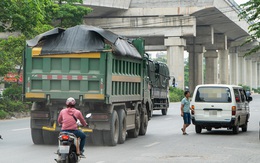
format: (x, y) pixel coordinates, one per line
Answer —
(68, 119)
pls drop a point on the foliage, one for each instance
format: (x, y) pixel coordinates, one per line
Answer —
(14, 93)
(11, 101)
(30, 18)
(11, 106)
(10, 53)
(176, 94)
(245, 87)
(3, 114)
(70, 14)
(161, 59)
(251, 13)
(256, 90)
(186, 73)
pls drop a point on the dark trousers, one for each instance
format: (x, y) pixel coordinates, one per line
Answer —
(80, 135)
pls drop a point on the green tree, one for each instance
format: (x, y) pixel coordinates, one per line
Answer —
(251, 13)
(10, 53)
(32, 17)
(161, 59)
(70, 14)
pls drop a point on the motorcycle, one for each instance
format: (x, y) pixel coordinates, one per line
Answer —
(68, 151)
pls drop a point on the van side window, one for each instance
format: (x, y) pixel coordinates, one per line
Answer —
(237, 96)
(242, 94)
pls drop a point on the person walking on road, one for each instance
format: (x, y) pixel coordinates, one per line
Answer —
(185, 112)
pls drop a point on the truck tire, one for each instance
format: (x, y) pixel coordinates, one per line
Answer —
(37, 136)
(135, 132)
(97, 137)
(144, 123)
(50, 138)
(164, 111)
(111, 136)
(122, 126)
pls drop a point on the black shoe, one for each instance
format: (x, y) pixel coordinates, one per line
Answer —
(82, 155)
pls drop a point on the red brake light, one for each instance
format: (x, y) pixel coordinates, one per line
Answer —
(192, 109)
(234, 110)
(65, 137)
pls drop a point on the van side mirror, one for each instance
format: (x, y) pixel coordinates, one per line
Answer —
(249, 99)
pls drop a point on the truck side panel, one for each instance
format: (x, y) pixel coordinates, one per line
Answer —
(126, 80)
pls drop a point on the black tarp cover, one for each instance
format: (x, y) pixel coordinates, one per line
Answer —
(80, 39)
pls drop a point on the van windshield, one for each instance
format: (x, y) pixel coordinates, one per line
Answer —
(213, 94)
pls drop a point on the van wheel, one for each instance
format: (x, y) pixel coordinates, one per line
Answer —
(198, 129)
(244, 127)
(236, 129)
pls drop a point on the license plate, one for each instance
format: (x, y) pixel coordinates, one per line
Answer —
(64, 149)
(213, 112)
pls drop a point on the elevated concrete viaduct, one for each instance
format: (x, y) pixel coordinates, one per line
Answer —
(209, 30)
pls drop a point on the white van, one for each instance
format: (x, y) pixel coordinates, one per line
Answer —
(217, 106)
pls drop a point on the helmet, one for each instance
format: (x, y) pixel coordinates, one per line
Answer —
(70, 101)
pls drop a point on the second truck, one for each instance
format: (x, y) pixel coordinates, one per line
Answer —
(109, 76)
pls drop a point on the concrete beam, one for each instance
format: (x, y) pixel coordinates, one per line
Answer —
(146, 32)
(248, 46)
(108, 3)
(148, 26)
(196, 49)
(155, 21)
(220, 43)
(156, 48)
(204, 35)
(174, 41)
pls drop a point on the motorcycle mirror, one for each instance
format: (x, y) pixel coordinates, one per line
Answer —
(88, 115)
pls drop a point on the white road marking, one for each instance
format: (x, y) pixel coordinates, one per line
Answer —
(149, 145)
(20, 129)
(100, 162)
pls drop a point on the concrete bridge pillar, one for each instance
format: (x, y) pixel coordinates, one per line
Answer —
(258, 74)
(223, 66)
(196, 75)
(248, 72)
(211, 74)
(254, 74)
(240, 69)
(233, 58)
(175, 59)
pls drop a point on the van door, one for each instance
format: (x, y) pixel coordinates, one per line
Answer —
(242, 108)
(213, 103)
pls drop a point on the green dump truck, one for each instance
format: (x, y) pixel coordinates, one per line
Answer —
(108, 75)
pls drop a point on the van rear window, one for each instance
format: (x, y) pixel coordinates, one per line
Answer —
(213, 94)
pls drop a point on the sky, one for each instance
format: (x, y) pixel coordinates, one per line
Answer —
(240, 1)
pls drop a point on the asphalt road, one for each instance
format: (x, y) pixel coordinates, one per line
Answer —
(163, 142)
